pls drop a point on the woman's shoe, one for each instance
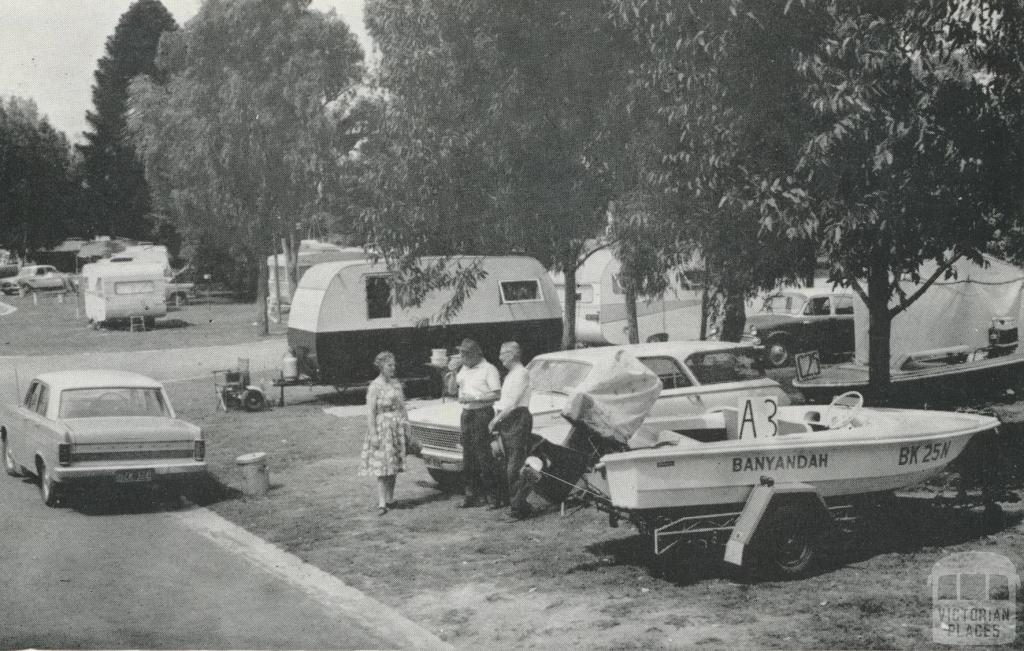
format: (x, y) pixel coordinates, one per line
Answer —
(381, 510)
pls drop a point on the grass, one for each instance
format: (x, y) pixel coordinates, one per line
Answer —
(479, 579)
(55, 324)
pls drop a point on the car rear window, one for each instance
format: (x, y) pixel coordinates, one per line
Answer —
(782, 304)
(112, 401)
(556, 375)
(725, 366)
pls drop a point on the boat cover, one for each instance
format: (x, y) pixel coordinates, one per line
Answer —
(615, 397)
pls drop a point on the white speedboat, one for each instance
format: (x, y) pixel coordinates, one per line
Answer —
(862, 451)
(715, 459)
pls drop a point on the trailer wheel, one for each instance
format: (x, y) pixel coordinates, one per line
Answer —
(790, 545)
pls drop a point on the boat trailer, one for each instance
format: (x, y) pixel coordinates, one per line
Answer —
(778, 532)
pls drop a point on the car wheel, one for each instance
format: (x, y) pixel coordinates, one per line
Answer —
(12, 468)
(448, 481)
(778, 353)
(47, 487)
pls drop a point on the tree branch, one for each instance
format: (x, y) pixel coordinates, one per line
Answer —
(905, 302)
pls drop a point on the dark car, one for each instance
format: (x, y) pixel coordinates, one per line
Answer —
(797, 320)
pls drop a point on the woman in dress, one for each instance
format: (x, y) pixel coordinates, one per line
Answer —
(383, 454)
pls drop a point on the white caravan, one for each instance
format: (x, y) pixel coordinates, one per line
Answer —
(601, 306)
(119, 291)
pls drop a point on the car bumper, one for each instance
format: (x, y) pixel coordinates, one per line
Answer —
(161, 471)
(751, 340)
(447, 460)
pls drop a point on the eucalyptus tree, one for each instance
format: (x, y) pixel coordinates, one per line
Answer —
(247, 133)
(498, 126)
(722, 75)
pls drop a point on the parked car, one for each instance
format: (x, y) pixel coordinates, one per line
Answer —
(93, 426)
(802, 319)
(696, 376)
(36, 277)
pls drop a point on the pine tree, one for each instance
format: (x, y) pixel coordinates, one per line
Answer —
(116, 194)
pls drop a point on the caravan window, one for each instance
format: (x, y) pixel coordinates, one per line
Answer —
(520, 291)
(378, 297)
(134, 287)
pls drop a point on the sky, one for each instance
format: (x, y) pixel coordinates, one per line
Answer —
(49, 49)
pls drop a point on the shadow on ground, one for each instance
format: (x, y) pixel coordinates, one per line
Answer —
(111, 500)
(905, 524)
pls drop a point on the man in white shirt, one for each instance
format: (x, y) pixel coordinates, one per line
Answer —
(512, 424)
(479, 385)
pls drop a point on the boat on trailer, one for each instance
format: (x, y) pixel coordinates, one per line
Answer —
(741, 473)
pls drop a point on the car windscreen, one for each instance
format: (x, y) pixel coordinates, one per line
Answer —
(725, 366)
(783, 304)
(556, 375)
(112, 401)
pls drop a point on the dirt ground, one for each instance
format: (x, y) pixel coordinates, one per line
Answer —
(479, 579)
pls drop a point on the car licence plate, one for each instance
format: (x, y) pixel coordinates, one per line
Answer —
(133, 476)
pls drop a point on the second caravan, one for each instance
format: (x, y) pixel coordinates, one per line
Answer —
(601, 306)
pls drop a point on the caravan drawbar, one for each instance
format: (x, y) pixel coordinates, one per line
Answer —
(343, 314)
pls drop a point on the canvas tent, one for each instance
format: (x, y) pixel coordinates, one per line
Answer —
(954, 311)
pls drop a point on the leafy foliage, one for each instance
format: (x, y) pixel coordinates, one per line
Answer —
(903, 161)
(247, 134)
(117, 196)
(498, 126)
(722, 76)
(37, 179)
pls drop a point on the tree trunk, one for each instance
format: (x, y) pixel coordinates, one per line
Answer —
(569, 315)
(879, 330)
(734, 315)
(292, 262)
(261, 287)
(632, 327)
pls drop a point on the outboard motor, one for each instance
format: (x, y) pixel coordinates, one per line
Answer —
(1002, 336)
(553, 469)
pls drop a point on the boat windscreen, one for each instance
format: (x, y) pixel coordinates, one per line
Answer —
(556, 375)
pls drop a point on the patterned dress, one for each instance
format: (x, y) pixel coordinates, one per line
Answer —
(384, 453)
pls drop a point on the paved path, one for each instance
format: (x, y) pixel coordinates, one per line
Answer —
(152, 578)
(131, 574)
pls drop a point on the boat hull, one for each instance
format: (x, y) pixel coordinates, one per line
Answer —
(837, 463)
(931, 386)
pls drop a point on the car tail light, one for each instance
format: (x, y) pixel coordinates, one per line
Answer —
(64, 454)
(199, 450)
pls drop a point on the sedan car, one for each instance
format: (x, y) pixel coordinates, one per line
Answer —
(802, 319)
(94, 426)
(36, 277)
(696, 376)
